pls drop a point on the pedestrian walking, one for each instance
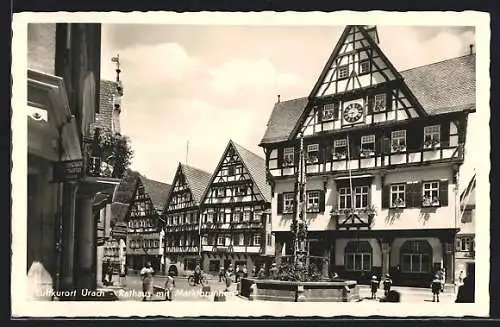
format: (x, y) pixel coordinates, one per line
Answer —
(466, 293)
(197, 274)
(147, 281)
(436, 288)
(228, 279)
(245, 271)
(374, 285)
(262, 272)
(169, 287)
(110, 272)
(221, 273)
(387, 284)
(273, 271)
(254, 271)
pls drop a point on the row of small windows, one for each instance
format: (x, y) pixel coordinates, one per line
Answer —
(221, 192)
(182, 241)
(363, 68)
(142, 223)
(182, 219)
(237, 215)
(420, 194)
(234, 239)
(232, 170)
(148, 244)
(432, 138)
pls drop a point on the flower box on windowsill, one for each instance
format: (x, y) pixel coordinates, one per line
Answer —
(312, 160)
(398, 148)
(428, 202)
(398, 204)
(339, 156)
(367, 154)
(431, 144)
(312, 209)
(288, 163)
(288, 210)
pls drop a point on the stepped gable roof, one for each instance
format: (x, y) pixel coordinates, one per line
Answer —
(442, 87)
(256, 167)
(197, 181)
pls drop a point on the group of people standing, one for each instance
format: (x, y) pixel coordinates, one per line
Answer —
(147, 273)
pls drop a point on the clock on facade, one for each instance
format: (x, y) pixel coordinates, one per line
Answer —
(353, 112)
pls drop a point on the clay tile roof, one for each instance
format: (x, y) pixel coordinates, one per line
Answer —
(119, 211)
(197, 180)
(441, 87)
(445, 86)
(157, 191)
(256, 166)
(125, 191)
(283, 119)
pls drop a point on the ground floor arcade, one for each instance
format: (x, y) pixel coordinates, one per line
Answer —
(411, 257)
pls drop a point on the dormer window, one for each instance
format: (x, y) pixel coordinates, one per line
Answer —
(364, 67)
(312, 153)
(398, 141)
(379, 102)
(288, 157)
(340, 149)
(343, 72)
(432, 136)
(368, 145)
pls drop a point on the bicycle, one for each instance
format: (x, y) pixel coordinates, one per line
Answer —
(192, 280)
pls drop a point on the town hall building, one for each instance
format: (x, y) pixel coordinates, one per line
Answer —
(383, 153)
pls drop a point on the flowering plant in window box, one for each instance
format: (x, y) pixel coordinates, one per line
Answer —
(313, 208)
(288, 209)
(339, 155)
(398, 203)
(288, 162)
(312, 158)
(429, 201)
(367, 153)
(370, 210)
(398, 147)
(431, 143)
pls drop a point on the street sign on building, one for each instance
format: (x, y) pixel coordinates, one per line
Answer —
(68, 171)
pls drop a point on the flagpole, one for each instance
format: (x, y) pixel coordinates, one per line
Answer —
(187, 152)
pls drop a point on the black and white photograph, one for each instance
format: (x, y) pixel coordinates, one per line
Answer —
(261, 159)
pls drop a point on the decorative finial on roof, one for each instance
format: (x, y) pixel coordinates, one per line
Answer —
(471, 48)
(279, 96)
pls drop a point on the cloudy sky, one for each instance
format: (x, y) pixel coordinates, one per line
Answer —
(208, 84)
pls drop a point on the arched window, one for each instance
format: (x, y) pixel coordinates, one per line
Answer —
(358, 256)
(416, 256)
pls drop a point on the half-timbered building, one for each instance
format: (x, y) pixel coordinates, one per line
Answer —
(235, 217)
(143, 233)
(181, 218)
(383, 150)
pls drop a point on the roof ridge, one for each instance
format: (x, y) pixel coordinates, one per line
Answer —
(248, 150)
(193, 167)
(437, 62)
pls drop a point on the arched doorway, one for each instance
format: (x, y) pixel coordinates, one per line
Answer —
(416, 262)
(358, 260)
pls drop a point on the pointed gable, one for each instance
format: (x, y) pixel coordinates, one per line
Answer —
(157, 191)
(256, 167)
(197, 181)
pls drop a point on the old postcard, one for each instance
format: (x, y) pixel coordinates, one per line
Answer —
(270, 160)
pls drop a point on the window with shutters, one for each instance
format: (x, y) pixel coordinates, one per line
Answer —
(288, 157)
(416, 256)
(368, 145)
(340, 149)
(288, 200)
(313, 201)
(379, 102)
(430, 194)
(329, 112)
(432, 136)
(312, 153)
(398, 196)
(398, 141)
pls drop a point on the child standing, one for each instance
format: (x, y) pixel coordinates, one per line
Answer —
(169, 287)
(387, 284)
(436, 288)
(375, 284)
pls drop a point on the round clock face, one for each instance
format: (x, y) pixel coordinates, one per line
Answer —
(353, 112)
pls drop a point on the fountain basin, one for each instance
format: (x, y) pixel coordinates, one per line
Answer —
(290, 291)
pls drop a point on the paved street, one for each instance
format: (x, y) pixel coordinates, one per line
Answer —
(186, 292)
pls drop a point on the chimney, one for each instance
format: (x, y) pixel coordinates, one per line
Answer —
(471, 49)
(279, 98)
